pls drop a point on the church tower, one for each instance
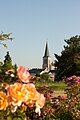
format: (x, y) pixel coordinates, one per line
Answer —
(47, 62)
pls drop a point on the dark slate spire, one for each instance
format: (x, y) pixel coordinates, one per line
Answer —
(46, 51)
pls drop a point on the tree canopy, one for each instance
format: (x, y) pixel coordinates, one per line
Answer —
(68, 63)
(7, 62)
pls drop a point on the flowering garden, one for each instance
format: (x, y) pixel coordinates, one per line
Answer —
(22, 99)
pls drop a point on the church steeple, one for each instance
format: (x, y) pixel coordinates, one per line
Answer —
(47, 61)
(46, 51)
(46, 58)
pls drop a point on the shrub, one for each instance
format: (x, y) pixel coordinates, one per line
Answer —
(69, 108)
(20, 99)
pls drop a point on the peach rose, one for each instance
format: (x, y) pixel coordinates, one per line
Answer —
(23, 74)
(30, 94)
(16, 93)
(34, 97)
(3, 101)
(40, 101)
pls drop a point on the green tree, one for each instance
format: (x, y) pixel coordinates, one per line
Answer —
(7, 62)
(4, 37)
(7, 65)
(68, 63)
(5, 75)
(44, 77)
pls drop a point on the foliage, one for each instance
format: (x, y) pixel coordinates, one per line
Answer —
(6, 66)
(68, 108)
(61, 107)
(7, 62)
(44, 77)
(5, 37)
(47, 112)
(68, 63)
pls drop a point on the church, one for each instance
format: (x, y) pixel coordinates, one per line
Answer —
(47, 61)
(47, 65)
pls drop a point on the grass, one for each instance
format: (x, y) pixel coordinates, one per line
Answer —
(53, 85)
(58, 87)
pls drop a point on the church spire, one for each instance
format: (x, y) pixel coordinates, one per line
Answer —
(46, 51)
(47, 61)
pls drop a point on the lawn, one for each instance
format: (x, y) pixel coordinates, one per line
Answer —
(58, 87)
(53, 85)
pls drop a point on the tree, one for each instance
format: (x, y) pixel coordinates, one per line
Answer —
(44, 77)
(3, 66)
(7, 62)
(7, 65)
(4, 37)
(68, 63)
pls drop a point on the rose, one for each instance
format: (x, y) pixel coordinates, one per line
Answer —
(22, 93)
(19, 93)
(31, 93)
(3, 101)
(23, 74)
(40, 101)
(33, 97)
(16, 95)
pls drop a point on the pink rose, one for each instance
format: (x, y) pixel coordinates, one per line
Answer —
(23, 74)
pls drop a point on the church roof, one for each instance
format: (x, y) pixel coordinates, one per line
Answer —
(46, 54)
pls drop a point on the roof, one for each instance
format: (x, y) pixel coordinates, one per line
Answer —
(35, 71)
(46, 51)
(52, 71)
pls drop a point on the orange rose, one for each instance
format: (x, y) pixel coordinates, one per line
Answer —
(3, 101)
(16, 93)
(40, 101)
(30, 94)
(33, 97)
(23, 74)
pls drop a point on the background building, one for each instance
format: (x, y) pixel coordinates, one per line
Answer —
(47, 66)
(47, 61)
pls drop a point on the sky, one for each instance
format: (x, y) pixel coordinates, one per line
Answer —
(32, 23)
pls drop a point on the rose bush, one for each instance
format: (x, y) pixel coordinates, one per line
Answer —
(62, 107)
(68, 108)
(20, 95)
(20, 100)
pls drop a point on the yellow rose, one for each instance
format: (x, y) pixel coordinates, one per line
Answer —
(3, 101)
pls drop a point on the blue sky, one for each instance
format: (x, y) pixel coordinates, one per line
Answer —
(32, 23)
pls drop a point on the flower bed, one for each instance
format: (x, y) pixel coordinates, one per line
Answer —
(17, 97)
(20, 100)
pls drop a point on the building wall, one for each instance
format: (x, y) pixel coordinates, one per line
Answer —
(47, 63)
